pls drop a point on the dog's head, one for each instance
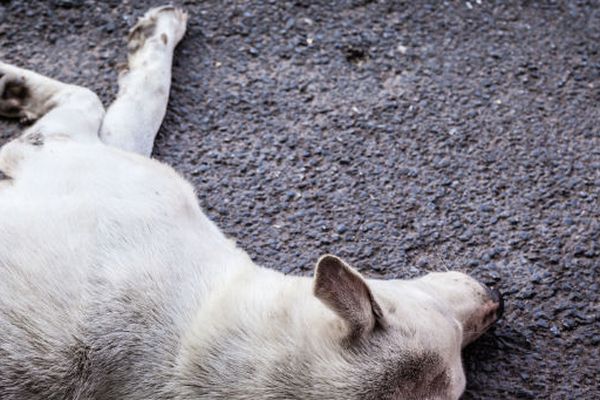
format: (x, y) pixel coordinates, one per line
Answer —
(402, 339)
(343, 338)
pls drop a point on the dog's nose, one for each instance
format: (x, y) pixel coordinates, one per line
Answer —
(497, 298)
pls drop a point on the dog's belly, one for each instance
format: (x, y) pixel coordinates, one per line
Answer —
(104, 256)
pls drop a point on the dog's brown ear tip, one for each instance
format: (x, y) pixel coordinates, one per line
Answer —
(329, 260)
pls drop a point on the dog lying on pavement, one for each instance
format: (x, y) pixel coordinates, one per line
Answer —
(115, 285)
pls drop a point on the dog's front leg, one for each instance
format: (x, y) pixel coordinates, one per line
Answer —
(58, 108)
(133, 120)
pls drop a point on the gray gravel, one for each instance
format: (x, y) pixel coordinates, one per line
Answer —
(406, 137)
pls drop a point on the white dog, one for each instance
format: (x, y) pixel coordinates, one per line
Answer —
(115, 285)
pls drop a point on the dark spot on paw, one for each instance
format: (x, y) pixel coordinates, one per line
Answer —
(15, 89)
(10, 109)
(164, 38)
(13, 95)
(139, 33)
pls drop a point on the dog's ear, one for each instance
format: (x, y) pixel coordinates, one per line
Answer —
(344, 291)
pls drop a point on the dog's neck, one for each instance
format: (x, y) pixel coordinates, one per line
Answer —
(253, 307)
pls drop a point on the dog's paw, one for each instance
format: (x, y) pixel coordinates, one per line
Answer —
(14, 95)
(166, 23)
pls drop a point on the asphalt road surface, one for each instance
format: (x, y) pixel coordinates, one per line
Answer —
(404, 136)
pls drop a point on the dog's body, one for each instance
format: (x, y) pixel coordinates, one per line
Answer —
(115, 285)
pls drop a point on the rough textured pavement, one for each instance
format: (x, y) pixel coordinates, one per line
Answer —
(406, 137)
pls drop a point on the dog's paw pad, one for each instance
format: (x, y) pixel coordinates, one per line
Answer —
(167, 23)
(14, 93)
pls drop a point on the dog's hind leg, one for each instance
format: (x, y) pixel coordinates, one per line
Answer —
(57, 108)
(133, 120)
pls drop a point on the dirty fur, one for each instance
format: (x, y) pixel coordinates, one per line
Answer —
(115, 285)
